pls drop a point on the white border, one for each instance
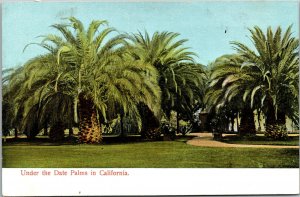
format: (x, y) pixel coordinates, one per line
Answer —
(151, 181)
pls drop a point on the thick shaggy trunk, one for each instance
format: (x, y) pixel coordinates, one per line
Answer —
(90, 131)
(271, 119)
(281, 118)
(270, 116)
(31, 131)
(57, 132)
(247, 125)
(150, 124)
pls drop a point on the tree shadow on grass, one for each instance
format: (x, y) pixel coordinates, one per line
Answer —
(72, 140)
(38, 141)
(260, 140)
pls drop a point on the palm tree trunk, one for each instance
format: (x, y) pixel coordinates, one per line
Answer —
(271, 119)
(237, 123)
(150, 124)
(270, 116)
(16, 132)
(226, 125)
(281, 118)
(57, 132)
(177, 122)
(32, 131)
(177, 114)
(75, 110)
(247, 122)
(232, 122)
(258, 120)
(90, 131)
(122, 124)
(71, 132)
(45, 128)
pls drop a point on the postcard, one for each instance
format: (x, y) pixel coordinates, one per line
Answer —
(150, 98)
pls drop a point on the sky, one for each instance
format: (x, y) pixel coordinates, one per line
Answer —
(208, 26)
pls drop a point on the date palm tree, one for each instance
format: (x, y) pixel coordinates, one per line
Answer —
(93, 73)
(266, 79)
(31, 87)
(179, 76)
(225, 92)
(271, 72)
(9, 91)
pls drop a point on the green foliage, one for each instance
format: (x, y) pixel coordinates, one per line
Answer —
(219, 123)
(265, 79)
(223, 98)
(127, 73)
(153, 134)
(172, 120)
(180, 78)
(11, 110)
(271, 71)
(185, 129)
(114, 127)
(276, 132)
(81, 62)
(185, 126)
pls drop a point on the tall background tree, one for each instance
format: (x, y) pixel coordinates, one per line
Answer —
(225, 94)
(264, 79)
(272, 72)
(180, 78)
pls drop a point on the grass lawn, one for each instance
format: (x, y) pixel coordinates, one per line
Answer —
(261, 140)
(162, 154)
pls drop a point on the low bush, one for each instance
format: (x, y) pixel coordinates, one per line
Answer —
(153, 134)
(276, 132)
(168, 131)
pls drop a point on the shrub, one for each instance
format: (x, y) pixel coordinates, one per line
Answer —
(185, 129)
(276, 132)
(168, 131)
(153, 134)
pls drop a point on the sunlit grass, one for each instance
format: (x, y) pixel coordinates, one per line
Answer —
(175, 154)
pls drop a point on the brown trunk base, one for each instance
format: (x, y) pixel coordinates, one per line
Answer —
(90, 131)
(150, 124)
(57, 132)
(247, 125)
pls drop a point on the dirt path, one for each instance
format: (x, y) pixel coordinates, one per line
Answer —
(206, 140)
